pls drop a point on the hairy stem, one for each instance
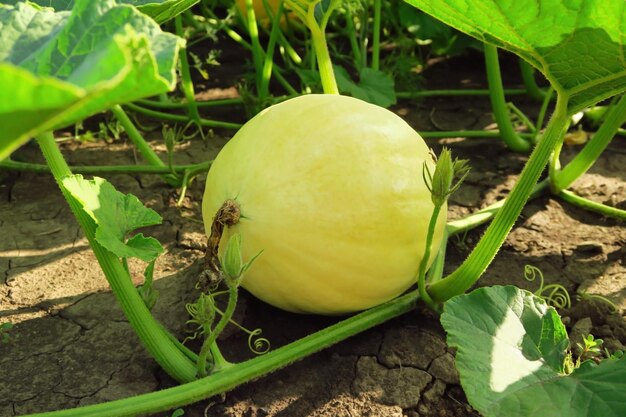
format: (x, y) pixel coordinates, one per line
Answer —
(587, 156)
(484, 215)
(421, 274)
(457, 92)
(528, 76)
(108, 169)
(472, 268)
(151, 333)
(376, 35)
(180, 105)
(208, 346)
(269, 53)
(181, 119)
(596, 207)
(257, 51)
(237, 374)
(498, 102)
(325, 66)
(135, 136)
(185, 75)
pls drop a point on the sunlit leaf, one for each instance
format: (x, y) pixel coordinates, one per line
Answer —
(511, 348)
(50, 77)
(159, 10)
(116, 216)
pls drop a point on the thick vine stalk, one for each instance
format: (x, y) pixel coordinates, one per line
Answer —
(237, 374)
(477, 262)
(151, 333)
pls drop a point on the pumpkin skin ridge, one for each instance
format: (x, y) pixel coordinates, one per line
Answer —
(410, 203)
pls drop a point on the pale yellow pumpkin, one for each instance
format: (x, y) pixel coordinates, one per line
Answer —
(260, 12)
(330, 188)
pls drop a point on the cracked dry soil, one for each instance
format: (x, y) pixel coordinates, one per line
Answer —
(72, 346)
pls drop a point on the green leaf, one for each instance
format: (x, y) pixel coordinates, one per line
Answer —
(60, 67)
(578, 45)
(159, 10)
(116, 215)
(511, 350)
(374, 86)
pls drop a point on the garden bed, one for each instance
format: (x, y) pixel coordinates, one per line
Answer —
(72, 346)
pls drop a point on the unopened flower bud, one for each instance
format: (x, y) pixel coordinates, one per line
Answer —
(232, 262)
(448, 176)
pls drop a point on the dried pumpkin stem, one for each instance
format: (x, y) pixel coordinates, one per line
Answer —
(228, 215)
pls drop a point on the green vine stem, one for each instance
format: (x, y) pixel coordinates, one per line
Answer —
(185, 75)
(239, 39)
(376, 35)
(208, 346)
(596, 207)
(521, 117)
(181, 105)
(528, 77)
(214, 20)
(268, 59)
(421, 275)
(283, 19)
(484, 215)
(457, 92)
(108, 169)
(257, 51)
(237, 374)
(191, 355)
(554, 165)
(188, 176)
(150, 332)
(306, 12)
(135, 136)
(587, 156)
(350, 32)
(181, 119)
(498, 102)
(484, 252)
(468, 134)
(219, 362)
(140, 143)
(543, 110)
(289, 50)
(435, 272)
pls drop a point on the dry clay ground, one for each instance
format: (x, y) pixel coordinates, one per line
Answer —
(72, 346)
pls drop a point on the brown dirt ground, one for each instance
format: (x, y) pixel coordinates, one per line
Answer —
(72, 346)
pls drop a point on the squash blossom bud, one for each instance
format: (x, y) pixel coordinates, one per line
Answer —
(442, 183)
(232, 262)
(168, 138)
(442, 178)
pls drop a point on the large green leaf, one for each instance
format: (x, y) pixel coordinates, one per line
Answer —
(159, 10)
(57, 68)
(511, 351)
(577, 44)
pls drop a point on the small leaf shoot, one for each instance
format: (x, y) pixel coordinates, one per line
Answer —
(116, 216)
